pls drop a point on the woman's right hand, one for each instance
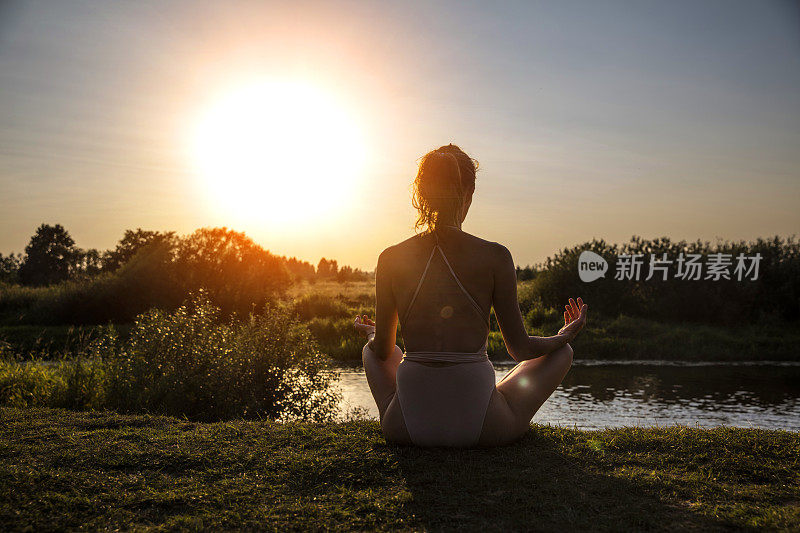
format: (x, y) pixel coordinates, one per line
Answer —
(574, 319)
(364, 325)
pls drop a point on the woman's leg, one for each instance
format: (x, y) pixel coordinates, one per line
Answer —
(521, 393)
(381, 375)
(382, 379)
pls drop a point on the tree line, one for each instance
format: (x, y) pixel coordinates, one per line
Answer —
(52, 256)
(55, 282)
(771, 295)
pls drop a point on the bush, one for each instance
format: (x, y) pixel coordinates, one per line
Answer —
(188, 363)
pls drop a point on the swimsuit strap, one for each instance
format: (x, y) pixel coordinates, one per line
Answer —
(471, 299)
(422, 278)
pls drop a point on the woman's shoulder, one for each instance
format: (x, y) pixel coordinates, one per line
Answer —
(396, 250)
(413, 244)
(492, 246)
(493, 251)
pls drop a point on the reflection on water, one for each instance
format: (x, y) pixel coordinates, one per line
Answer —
(598, 395)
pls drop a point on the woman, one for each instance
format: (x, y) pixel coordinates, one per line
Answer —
(443, 282)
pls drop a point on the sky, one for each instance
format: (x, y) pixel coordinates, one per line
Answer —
(589, 119)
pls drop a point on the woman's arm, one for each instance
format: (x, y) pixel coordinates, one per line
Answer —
(386, 318)
(519, 344)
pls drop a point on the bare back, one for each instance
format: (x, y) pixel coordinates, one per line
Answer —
(442, 318)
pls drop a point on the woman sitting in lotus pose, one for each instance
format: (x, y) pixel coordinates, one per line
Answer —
(443, 282)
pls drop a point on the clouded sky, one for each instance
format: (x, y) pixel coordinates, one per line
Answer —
(589, 119)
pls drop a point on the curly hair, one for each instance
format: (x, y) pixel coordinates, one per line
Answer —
(444, 178)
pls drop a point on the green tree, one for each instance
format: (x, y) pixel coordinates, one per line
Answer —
(237, 272)
(524, 274)
(9, 267)
(50, 257)
(132, 242)
(348, 273)
(327, 268)
(90, 262)
(301, 270)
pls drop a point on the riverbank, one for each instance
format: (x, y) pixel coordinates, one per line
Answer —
(98, 470)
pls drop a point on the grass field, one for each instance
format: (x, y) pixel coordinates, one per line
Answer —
(63, 470)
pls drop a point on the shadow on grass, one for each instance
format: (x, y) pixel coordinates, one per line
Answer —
(531, 485)
(65, 470)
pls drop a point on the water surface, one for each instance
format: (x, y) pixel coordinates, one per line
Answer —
(597, 395)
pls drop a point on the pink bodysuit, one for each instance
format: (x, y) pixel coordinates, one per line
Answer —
(445, 405)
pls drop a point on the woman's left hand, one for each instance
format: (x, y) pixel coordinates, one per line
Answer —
(574, 319)
(364, 325)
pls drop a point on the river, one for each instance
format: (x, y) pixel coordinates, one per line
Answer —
(608, 394)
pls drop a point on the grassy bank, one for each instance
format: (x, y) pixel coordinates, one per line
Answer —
(627, 338)
(68, 470)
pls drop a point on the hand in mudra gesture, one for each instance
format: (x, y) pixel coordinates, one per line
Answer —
(574, 319)
(364, 325)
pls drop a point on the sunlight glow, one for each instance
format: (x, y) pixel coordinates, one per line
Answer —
(281, 152)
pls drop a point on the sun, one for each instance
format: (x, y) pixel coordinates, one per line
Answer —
(281, 152)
